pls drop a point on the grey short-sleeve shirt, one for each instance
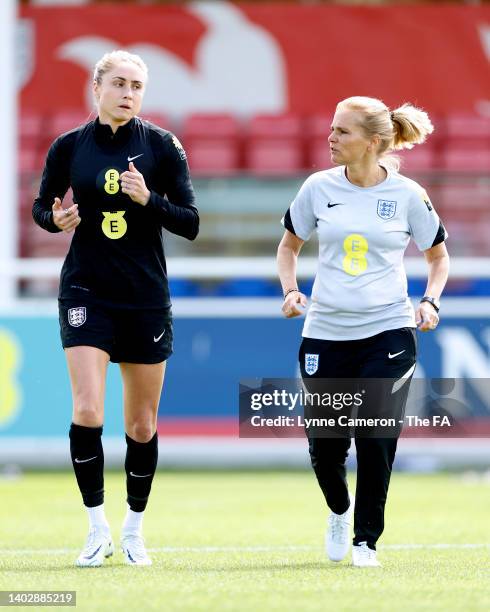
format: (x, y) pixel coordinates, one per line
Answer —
(361, 286)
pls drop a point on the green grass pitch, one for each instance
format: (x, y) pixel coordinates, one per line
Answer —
(251, 541)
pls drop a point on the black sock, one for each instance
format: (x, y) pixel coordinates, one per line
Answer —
(87, 457)
(141, 463)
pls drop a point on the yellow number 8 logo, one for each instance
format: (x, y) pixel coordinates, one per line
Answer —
(111, 184)
(356, 247)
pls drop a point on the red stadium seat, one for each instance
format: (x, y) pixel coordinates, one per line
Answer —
(213, 157)
(469, 198)
(276, 126)
(463, 127)
(318, 152)
(61, 122)
(466, 159)
(212, 143)
(317, 130)
(200, 125)
(466, 146)
(28, 160)
(67, 120)
(463, 206)
(274, 145)
(419, 159)
(318, 126)
(39, 243)
(30, 129)
(275, 157)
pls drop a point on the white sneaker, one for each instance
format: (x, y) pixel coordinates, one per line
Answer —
(134, 550)
(97, 547)
(337, 538)
(363, 556)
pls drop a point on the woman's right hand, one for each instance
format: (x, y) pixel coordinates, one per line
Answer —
(66, 219)
(293, 304)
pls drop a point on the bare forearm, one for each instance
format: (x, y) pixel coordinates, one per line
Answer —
(286, 265)
(438, 273)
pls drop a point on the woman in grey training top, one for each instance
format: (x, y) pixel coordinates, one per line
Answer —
(361, 323)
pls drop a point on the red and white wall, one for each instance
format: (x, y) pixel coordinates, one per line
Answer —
(262, 58)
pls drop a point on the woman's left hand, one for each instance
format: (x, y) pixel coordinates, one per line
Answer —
(133, 184)
(426, 317)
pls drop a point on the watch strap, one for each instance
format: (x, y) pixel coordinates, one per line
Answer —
(431, 301)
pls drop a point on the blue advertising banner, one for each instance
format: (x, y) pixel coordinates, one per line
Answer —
(210, 357)
(35, 397)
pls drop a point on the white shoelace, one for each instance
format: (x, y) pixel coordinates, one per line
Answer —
(94, 533)
(91, 538)
(339, 527)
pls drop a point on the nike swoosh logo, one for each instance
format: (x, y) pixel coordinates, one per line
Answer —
(135, 157)
(94, 553)
(85, 460)
(390, 356)
(140, 475)
(332, 204)
(159, 337)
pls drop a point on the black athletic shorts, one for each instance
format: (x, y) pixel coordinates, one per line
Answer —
(388, 354)
(383, 364)
(128, 335)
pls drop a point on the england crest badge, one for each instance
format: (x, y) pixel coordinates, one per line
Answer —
(311, 363)
(386, 209)
(77, 316)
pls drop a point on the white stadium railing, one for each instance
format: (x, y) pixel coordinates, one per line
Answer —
(223, 268)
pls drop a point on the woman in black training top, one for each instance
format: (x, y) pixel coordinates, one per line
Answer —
(130, 180)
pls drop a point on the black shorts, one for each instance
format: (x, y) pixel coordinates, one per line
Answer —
(127, 335)
(386, 355)
(381, 367)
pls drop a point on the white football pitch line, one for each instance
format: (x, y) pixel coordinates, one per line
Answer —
(245, 549)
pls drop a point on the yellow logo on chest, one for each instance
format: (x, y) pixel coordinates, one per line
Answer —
(111, 185)
(355, 247)
(114, 225)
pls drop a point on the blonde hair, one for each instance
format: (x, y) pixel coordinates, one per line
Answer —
(398, 129)
(109, 60)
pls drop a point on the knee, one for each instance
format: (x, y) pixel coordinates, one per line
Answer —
(141, 430)
(88, 412)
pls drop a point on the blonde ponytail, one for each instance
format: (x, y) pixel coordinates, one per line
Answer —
(411, 126)
(398, 129)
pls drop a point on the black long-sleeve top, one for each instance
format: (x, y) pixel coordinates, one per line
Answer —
(116, 254)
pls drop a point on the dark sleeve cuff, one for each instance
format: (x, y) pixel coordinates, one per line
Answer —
(44, 218)
(441, 235)
(288, 224)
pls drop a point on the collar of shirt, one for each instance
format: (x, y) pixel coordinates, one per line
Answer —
(106, 137)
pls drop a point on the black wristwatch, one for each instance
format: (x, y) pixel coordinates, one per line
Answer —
(436, 303)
